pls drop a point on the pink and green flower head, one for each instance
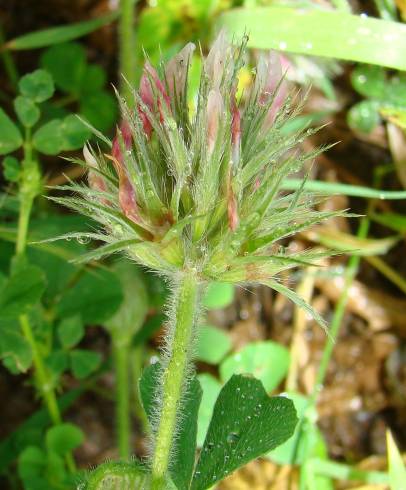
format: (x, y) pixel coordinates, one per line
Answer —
(178, 188)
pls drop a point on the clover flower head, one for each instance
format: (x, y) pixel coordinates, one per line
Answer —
(203, 188)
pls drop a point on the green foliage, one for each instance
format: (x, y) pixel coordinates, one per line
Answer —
(66, 63)
(246, 423)
(44, 468)
(267, 361)
(10, 136)
(15, 351)
(70, 331)
(84, 362)
(59, 135)
(356, 38)
(329, 188)
(27, 111)
(128, 319)
(55, 35)
(394, 221)
(21, 291)
(11, 169)
(397, 468)
(84, 83)
(218, 295)
(37, 86)
(306, 436)
(211, 388)
(385, 98)
(62, 438)
(96, 296)
(212, 345)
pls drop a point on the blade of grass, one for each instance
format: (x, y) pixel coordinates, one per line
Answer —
(397, 469)
(309, 31)
(330, 188)
(340, 471)
(388, 272)
(54, 35)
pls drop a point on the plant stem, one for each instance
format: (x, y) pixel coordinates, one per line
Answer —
(174, 374)
(127, 47)
(43, 384)
(121, 366)
(387, 271)
(29, 189)
(136, 363)
(350, 273)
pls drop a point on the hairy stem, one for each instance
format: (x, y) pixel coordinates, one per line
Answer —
(121, 366)
(174, 374)
(127, 47)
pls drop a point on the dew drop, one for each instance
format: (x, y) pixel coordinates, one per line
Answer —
(233, 437)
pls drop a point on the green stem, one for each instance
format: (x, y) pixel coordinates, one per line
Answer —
(174, 374)
(121, 366)
(341, 471)
(43, 383)
(136, 362)
(387, 271)
(386, 9)
(350, 273)
(29, 189)
(127, 47)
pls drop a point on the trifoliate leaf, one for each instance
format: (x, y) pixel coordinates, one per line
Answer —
(67, 63)
(37, 85)
(246, 423)
(48, 139)
(26, 110)
(96, 297)
(267, 361)
(10, 136)
(84, 362)
(15, 350)
(71, 331)
(100, 109)
(218, 295)
(63, 438)
(212, 344)
(21, 291)
(11, 169)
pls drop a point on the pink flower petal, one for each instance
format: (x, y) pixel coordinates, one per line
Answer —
(214, 112)
(215, 62)
(235, 129)
(176, 70)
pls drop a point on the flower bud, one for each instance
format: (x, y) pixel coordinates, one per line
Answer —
(215, 63)
(232, 211)
(214, 112)
(268, 81)
(125, 132)
(95, 180)
(176, 71)
(235, 130)
(151, 91)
